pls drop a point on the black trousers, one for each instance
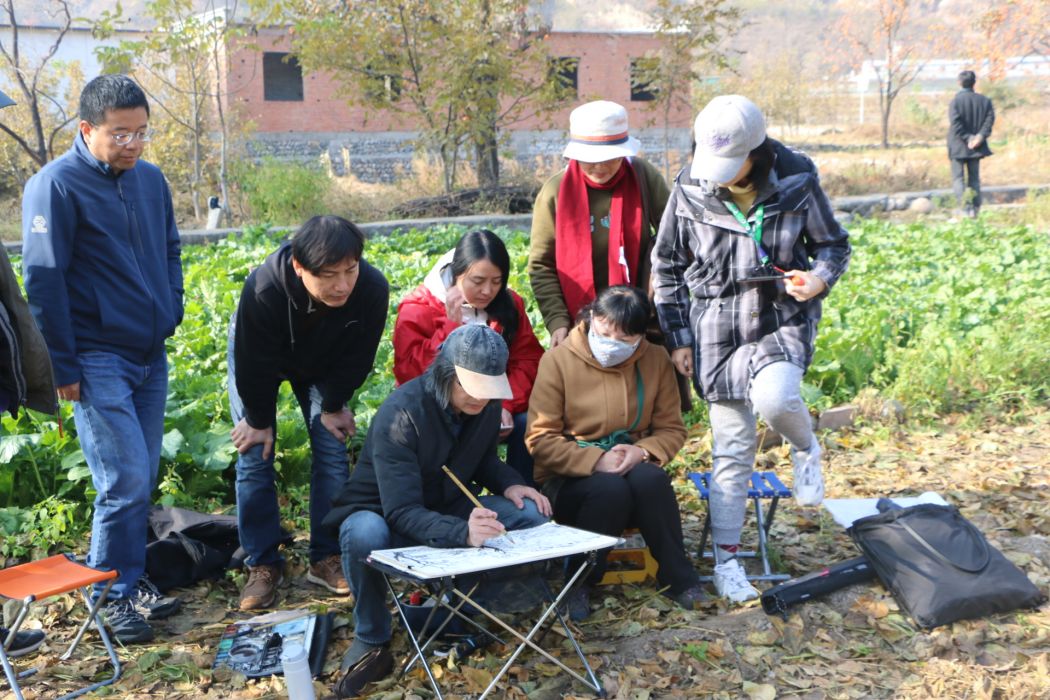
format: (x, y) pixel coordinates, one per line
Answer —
(644, 499)
(972, 181)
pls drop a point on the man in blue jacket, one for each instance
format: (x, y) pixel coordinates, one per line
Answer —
(103, 273)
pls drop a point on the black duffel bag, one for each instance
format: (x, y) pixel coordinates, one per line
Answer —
(939, 566)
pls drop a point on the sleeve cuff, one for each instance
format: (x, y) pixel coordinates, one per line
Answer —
(680, 338)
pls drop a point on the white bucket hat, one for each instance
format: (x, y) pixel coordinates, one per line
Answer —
(726, 130)
(598, 132)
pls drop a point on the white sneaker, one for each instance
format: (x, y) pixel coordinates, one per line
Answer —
(809, 482)
(731, 582)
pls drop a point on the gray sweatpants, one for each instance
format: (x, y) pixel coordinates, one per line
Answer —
(775, 395)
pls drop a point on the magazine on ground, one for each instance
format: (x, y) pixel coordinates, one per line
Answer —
(516, 547)
(253, 647)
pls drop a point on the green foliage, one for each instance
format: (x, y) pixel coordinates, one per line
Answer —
(919, 114)
(281, 193)
(53, 524)
(943, 318)
(1006, 96)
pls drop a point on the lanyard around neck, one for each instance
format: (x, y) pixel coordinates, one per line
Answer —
(755, 231)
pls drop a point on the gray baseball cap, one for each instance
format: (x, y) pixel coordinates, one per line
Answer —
(5, 101)
(480, 357)
(726, 131)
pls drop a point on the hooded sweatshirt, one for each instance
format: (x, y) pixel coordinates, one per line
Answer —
(281, 333)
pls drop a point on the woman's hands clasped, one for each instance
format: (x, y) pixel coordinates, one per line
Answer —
(620, 459)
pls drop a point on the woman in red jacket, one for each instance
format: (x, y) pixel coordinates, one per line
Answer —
(469, 285)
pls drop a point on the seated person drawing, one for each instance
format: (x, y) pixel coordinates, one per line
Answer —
(468, 285)
(398, 495)
(604, 416)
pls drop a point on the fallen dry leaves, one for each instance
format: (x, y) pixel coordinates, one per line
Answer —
(854, 643)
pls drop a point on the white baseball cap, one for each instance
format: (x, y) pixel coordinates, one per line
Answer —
(598, 132)
(726, 131)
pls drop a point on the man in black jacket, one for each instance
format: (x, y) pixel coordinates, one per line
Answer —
(970, 119)
(399, 496)
(312, 314)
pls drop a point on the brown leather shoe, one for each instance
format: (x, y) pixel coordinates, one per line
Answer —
(329, 573)
(261, 589)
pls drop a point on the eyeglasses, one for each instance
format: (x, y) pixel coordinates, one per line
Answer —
(127, 137)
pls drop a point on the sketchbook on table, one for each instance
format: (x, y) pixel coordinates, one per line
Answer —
(533, 544)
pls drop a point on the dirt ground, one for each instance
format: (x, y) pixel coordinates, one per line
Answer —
(855, 643)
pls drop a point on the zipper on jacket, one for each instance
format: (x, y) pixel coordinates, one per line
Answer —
(136, 239)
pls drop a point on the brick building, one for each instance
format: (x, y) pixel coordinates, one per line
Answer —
(299, 115)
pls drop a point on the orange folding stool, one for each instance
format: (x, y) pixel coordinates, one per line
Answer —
(44, 578)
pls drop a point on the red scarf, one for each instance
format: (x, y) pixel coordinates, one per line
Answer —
(572, 233)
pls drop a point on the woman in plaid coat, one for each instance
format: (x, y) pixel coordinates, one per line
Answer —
(746, 252)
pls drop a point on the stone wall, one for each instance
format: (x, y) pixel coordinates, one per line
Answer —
(386, 156)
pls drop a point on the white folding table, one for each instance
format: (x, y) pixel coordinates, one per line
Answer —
(447, 572)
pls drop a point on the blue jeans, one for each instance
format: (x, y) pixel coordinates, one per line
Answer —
(258, 515)
(518, 457)
(365, 531)
(120, 423)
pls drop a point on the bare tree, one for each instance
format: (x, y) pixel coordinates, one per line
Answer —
(48, 115)
(691, 36)
(888, 35)
(180, 66)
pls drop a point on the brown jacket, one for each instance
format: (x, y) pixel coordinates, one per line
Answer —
(575, 398)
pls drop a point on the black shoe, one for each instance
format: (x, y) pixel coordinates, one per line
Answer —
(578, 603)
(690, 598)
(23, 643)
(373, 666)
(150, 603)
(127, 624)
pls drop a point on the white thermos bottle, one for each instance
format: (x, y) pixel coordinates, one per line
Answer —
(297, 672)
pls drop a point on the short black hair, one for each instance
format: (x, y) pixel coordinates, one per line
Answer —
(967, 78)
(326, 240)
(762, 158)
(627, 308)
(109, 92)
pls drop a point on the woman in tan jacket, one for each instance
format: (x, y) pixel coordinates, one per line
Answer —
(603, 417)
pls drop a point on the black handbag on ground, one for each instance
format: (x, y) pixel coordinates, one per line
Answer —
(782, 597)
(939, 566)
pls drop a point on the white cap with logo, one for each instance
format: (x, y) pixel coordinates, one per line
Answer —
(726, 131)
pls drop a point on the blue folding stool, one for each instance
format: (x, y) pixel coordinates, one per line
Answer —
(764, 485)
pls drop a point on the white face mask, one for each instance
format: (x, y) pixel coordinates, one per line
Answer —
(608, 351)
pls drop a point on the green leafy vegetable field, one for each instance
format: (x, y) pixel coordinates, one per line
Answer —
(942, 318)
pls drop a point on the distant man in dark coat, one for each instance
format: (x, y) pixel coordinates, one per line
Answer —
(970, 119)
